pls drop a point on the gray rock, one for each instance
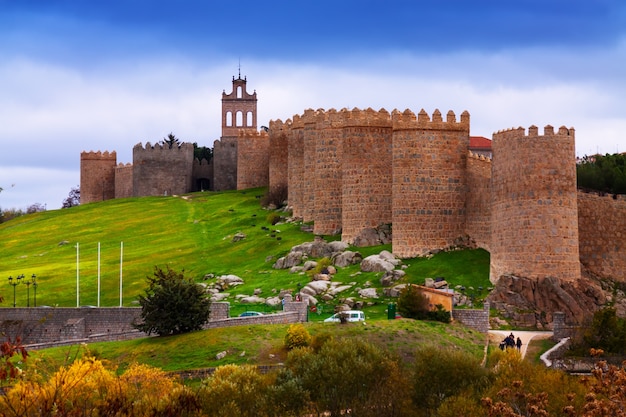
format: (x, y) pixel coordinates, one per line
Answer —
(347, 258)
(220, 355)
(238, 236)
(374, 263)
(368, 293)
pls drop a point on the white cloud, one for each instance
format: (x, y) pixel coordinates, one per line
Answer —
(50, 113)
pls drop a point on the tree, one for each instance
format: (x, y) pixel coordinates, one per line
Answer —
(35, 208)
(73, 198)
(173, 304)
(202, 152)
(412, 303)
(170, 141)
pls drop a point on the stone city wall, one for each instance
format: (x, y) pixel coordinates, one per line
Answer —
(161, 170)
(602, 233)
(278, 156)
(478, 202)
(124, 181)
(225, 164)
(252, 159)
(296, 166)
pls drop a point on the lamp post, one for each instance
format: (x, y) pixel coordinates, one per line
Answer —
(27, 283)
(15, 282)
(34, 281)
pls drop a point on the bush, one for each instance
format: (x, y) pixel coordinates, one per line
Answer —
(320, 268)
(297, 336)
(412, 303)
(273, 218)
(276, 196)
(173, 304)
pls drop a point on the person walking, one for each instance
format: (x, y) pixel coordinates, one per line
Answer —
(519, 344)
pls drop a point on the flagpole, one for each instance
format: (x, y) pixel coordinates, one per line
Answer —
(121, 261)
(98, 274)
(77, 274)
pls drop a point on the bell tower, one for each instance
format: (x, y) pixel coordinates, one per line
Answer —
(238, 109)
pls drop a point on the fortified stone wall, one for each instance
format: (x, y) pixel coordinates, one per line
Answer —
(478, 202)
(160, 170)
(429, 181)
(225, 164)
(367, 171)
(328, 173)
(278, 155)
(296, 166)
(309, 142)
(124, 181)
(202, 175)
(97, 176)
(252, 159)
(602, 233)
(534, 205)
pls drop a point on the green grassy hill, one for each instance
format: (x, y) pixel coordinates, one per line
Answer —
(191, 233)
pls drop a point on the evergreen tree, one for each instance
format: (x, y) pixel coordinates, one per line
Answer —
(172, 304)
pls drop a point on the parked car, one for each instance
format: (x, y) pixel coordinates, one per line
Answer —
(350, 315)
(250, 314)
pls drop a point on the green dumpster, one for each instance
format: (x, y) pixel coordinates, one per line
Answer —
(391, 311)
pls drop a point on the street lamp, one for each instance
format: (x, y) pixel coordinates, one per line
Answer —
(27, 283)
(15, 282)
(34, 281)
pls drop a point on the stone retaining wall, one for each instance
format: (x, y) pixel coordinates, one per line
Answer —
(475, 319)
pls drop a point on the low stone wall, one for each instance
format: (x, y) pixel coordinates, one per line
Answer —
(41, 327)
(475, 319)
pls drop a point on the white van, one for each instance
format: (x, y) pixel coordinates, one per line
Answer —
(350, 315)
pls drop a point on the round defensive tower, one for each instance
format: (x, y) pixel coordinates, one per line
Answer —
(366, 171)
(309, 140)
(534, 205)
(295, 170)
(328, 173)
(429, 181)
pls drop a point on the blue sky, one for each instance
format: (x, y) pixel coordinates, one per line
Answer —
(106, 75)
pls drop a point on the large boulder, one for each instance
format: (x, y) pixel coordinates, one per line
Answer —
(293, 258)
(373, 236)
(374, 263)
(346, 258)
(532, 301)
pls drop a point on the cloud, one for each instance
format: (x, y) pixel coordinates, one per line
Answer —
(50, 111)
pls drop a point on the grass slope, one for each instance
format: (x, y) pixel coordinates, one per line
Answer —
(191, 233)
(263, 344)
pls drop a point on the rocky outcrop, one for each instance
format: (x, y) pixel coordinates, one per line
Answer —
(528, 302)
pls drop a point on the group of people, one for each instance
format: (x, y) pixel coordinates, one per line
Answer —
(510, 342)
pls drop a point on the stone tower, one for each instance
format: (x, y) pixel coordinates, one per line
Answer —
(534, 205)
(97, 176)
(239, 111)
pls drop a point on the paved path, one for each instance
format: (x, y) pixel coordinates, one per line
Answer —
(499, 335)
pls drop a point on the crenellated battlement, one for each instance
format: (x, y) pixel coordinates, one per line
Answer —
(159, 147)
(367, 118)
(478, 156)
(98, 155)
(533, 132)
(251, 133)
(407, 120)
(124, 165)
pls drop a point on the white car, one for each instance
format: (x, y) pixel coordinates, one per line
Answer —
(350, 315)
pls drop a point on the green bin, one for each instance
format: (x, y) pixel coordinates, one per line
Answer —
(391, 311)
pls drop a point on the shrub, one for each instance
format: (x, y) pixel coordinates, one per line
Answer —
(320, 268)
(412, 303)
(297, 336)
(276, 196)
(439, 374)
(273, 218)
(173, 304)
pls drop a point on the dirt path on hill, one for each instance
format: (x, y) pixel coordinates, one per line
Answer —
(498, 335)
